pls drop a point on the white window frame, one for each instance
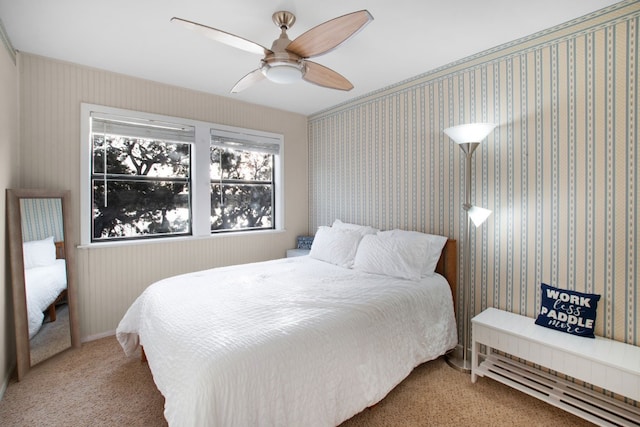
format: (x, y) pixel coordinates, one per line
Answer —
(200, 180)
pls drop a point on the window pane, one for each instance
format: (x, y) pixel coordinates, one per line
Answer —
(143, 157)
(139, 208)
(241, 206)
(241, 165)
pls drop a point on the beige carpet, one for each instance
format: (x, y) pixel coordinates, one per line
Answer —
(98, 386)
(52, 338)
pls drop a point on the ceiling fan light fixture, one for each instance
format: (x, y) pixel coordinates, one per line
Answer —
(286, 61)
(283, 72)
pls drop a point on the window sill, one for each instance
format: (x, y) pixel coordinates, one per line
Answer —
(166, 240)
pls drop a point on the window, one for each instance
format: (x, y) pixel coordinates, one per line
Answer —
(140, 178)
(242, 183)
(149, 176)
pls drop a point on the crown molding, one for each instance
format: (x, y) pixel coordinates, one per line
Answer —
(7, 43)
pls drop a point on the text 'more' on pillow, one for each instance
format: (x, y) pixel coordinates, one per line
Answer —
(568, 311)
(335, 246)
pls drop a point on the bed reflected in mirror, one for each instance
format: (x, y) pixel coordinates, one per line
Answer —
(43, 282)
(45, 277)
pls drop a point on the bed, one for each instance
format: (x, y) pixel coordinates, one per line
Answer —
(45, 279)
(289, 342)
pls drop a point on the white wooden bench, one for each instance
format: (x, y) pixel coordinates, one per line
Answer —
(603, 363)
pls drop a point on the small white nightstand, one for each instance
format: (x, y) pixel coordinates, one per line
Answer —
(297, 252)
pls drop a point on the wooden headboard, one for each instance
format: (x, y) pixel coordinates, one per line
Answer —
(448, 266)
(59, 249)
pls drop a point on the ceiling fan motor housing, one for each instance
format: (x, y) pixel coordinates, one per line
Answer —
(280, 65)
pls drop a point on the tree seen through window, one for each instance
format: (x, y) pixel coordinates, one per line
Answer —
(141, 187)
(241, 189)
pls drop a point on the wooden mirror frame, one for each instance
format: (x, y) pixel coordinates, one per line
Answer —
(14, 231)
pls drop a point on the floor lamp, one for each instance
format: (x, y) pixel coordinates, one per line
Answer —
(468, 137)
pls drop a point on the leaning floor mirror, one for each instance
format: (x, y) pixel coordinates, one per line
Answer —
(42, 275)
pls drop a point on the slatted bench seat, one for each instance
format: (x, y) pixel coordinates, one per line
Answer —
(603, 363)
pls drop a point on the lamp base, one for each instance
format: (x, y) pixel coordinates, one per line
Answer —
(456, 360)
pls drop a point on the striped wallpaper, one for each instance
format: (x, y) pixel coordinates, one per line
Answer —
(41, 218)
(560, 172)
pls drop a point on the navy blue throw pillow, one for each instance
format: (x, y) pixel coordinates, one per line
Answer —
(305, 242)
(568, 311)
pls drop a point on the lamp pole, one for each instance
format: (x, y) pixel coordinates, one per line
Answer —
(468, 137)
(463, 362)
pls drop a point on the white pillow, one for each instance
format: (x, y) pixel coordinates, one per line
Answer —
(335, 246)
(391, 256)
(39, 253)
(435, 244)
(362, 229)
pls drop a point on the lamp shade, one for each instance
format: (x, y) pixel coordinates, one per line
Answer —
(471, 132)
(478, 215)
(283, 73)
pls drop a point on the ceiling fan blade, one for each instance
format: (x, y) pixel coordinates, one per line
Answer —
(223, 37)
(323, 76)
(329, 35)
(249, 80)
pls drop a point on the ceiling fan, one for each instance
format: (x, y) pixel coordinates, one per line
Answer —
(288, 61)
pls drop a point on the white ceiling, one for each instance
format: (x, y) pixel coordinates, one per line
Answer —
(407, 38)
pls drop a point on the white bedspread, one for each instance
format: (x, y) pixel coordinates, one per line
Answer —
(42, 287)
(290, 342)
